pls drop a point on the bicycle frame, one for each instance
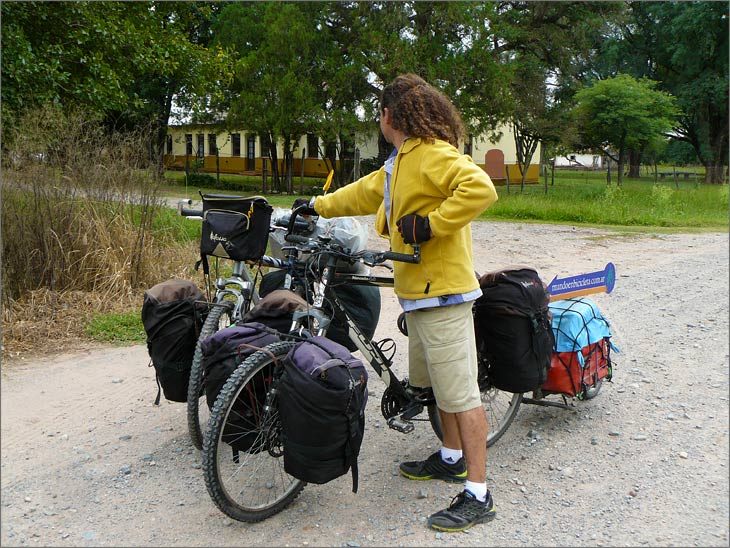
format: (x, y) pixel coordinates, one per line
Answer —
(238, 285)
(407, 406)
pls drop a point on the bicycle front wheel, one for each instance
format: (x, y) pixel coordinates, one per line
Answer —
(501, 408)
(219, 317)
(243, 462)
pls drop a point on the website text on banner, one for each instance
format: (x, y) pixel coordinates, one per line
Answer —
(602, 281)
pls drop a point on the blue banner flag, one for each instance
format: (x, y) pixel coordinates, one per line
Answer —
(583, 284)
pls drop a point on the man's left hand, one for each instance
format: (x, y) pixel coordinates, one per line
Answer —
(414, 228)
(304, 204)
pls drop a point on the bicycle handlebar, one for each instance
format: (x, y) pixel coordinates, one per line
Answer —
(185, 212)
(404, 257)
(296, 239)
(369, 257)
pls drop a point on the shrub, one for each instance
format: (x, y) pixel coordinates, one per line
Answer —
(78, 208)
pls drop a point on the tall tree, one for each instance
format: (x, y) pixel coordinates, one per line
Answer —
(121, 60)
(619, 113)
(273, 92)
(543, 43)
(447, 43)
(187, 70)
(684, 46)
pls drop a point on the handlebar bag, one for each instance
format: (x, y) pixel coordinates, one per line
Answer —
(235, 227)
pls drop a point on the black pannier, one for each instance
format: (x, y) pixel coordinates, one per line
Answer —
(173, 313)
(513, 328)
(224, 350)
(361, 302)
(235, 227)
(322, 398)
(276, 309)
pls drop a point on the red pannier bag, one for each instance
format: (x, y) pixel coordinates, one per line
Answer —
(582, 353)
(565, 369)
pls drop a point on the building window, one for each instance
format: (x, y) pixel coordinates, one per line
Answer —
(188, 144)
(468, 148)
(235, 144)
(264, 145)
(250, 152)
(212, 146)
(201, 145)
(330, 150)
(169, 144)
(312, 146)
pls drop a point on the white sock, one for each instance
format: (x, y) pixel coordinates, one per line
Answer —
(450, 455)
(479, 490)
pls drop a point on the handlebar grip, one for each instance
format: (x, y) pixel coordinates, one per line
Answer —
(403, 257)
(295, 238)
(185, 212)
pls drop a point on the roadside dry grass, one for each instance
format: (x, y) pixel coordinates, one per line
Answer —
(44, 321)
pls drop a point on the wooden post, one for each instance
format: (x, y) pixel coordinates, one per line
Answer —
(676, 177)
(552, 173)
(217, 168)
(301, 173)
(264, 175)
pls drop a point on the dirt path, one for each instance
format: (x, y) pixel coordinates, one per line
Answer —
(87, 460)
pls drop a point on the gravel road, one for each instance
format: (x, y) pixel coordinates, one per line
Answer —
(88, 460)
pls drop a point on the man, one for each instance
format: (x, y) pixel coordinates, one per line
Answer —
(427, 193)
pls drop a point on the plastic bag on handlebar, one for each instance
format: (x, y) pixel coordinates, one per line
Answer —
(345, 231)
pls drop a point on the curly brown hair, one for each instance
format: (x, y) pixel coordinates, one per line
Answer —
(420, 110)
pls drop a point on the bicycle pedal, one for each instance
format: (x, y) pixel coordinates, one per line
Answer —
(400, 425)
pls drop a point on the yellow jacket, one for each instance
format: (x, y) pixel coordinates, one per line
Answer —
(433, 180)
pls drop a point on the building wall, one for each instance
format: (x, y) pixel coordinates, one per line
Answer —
(586, 161)
(228, 162)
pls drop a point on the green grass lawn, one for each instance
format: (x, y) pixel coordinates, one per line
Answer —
(584, 198)
(574, 198)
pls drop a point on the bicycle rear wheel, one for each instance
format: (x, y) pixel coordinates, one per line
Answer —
(501, 408)
(219, 317)
(243, 463)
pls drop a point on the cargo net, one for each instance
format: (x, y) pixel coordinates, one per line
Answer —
(582, 354)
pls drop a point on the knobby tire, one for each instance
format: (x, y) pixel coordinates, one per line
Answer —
(195, 384)
(248, 484)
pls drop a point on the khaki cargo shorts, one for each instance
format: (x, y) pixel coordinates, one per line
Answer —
(442, 354)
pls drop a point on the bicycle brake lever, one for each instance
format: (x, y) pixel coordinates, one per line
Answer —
(375, 259)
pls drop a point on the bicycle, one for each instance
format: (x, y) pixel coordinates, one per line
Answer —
(234, 296)
(247, 480)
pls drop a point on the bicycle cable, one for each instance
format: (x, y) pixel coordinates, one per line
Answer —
(387, 347)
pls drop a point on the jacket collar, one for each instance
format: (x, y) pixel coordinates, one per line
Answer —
(409, 144)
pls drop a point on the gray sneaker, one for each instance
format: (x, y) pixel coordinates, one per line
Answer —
(434, 467)
(464, 511)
